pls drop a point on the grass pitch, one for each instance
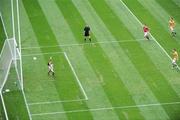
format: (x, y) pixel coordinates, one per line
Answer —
(120, 75)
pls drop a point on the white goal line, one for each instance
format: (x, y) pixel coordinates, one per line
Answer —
(80, 44)
(107, 108)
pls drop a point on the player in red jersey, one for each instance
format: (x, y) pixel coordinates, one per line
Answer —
(146, 32)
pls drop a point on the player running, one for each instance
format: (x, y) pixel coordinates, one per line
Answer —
(175, 58)
(172, 26)
(146, 31)
(50, 67)
(87, 33)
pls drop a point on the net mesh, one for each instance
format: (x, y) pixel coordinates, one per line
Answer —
(10, 62)
(5, 63)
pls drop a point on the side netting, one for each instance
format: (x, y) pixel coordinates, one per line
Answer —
(9, 60)
(6, 58)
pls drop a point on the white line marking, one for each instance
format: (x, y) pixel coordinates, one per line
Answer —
(150, 33)
(106, 108)
(70, 45)
(12, 17)
(54, 102)
(19, 49)
(25, 100)
(4, 26)
(38, 54)
(86, 98)
(4, 107)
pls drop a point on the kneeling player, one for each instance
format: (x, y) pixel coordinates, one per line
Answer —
(87, 33)
(50, 67)
(175, 58)
(146, 32)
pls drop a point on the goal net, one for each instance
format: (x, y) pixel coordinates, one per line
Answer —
(10, 52)
(11, 80)
(10, 72)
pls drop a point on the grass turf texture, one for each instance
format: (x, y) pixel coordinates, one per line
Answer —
(2, 35)
(128, 72)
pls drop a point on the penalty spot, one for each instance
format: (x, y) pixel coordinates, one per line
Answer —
(34, 58)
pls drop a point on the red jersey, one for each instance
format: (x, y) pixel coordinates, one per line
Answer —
(145, 29)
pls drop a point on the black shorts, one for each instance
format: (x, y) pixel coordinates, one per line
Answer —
(86, 34)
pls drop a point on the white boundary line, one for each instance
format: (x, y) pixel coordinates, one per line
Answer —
(53, 102)
(106, 108)
(4, 26)
(38, 54)
(150, 33)
(86, 98)
(19, 50)
(13, 25)
(28, 110)
(4, 107)
(80, 44)
(77, 79)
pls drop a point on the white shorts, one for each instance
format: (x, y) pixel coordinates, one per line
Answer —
(171, 28)
(50, 68)
(146, 34)
(174, 61)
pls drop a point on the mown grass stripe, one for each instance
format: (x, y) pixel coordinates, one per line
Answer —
(177, 2)
(162, 16)
(149, 75)
(171, 8)
(28, 39)
(80, 63)
(87, 11)
(156, 28)
(152, 49)
(46, 37)
(160, 81)
(98, 55)
(2, 34)
(71, 21)
(156, 55)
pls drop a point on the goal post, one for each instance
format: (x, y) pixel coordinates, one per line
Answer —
(9, 59)
(11, 76)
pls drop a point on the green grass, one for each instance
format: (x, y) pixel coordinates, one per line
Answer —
(14, 100)
(118, 71)
(2, 35)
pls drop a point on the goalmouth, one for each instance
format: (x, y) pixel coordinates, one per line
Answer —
(11, 77)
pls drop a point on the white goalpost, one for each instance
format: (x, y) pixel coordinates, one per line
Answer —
(10, 54)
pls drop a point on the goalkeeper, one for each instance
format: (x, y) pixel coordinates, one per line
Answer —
(50, 67)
